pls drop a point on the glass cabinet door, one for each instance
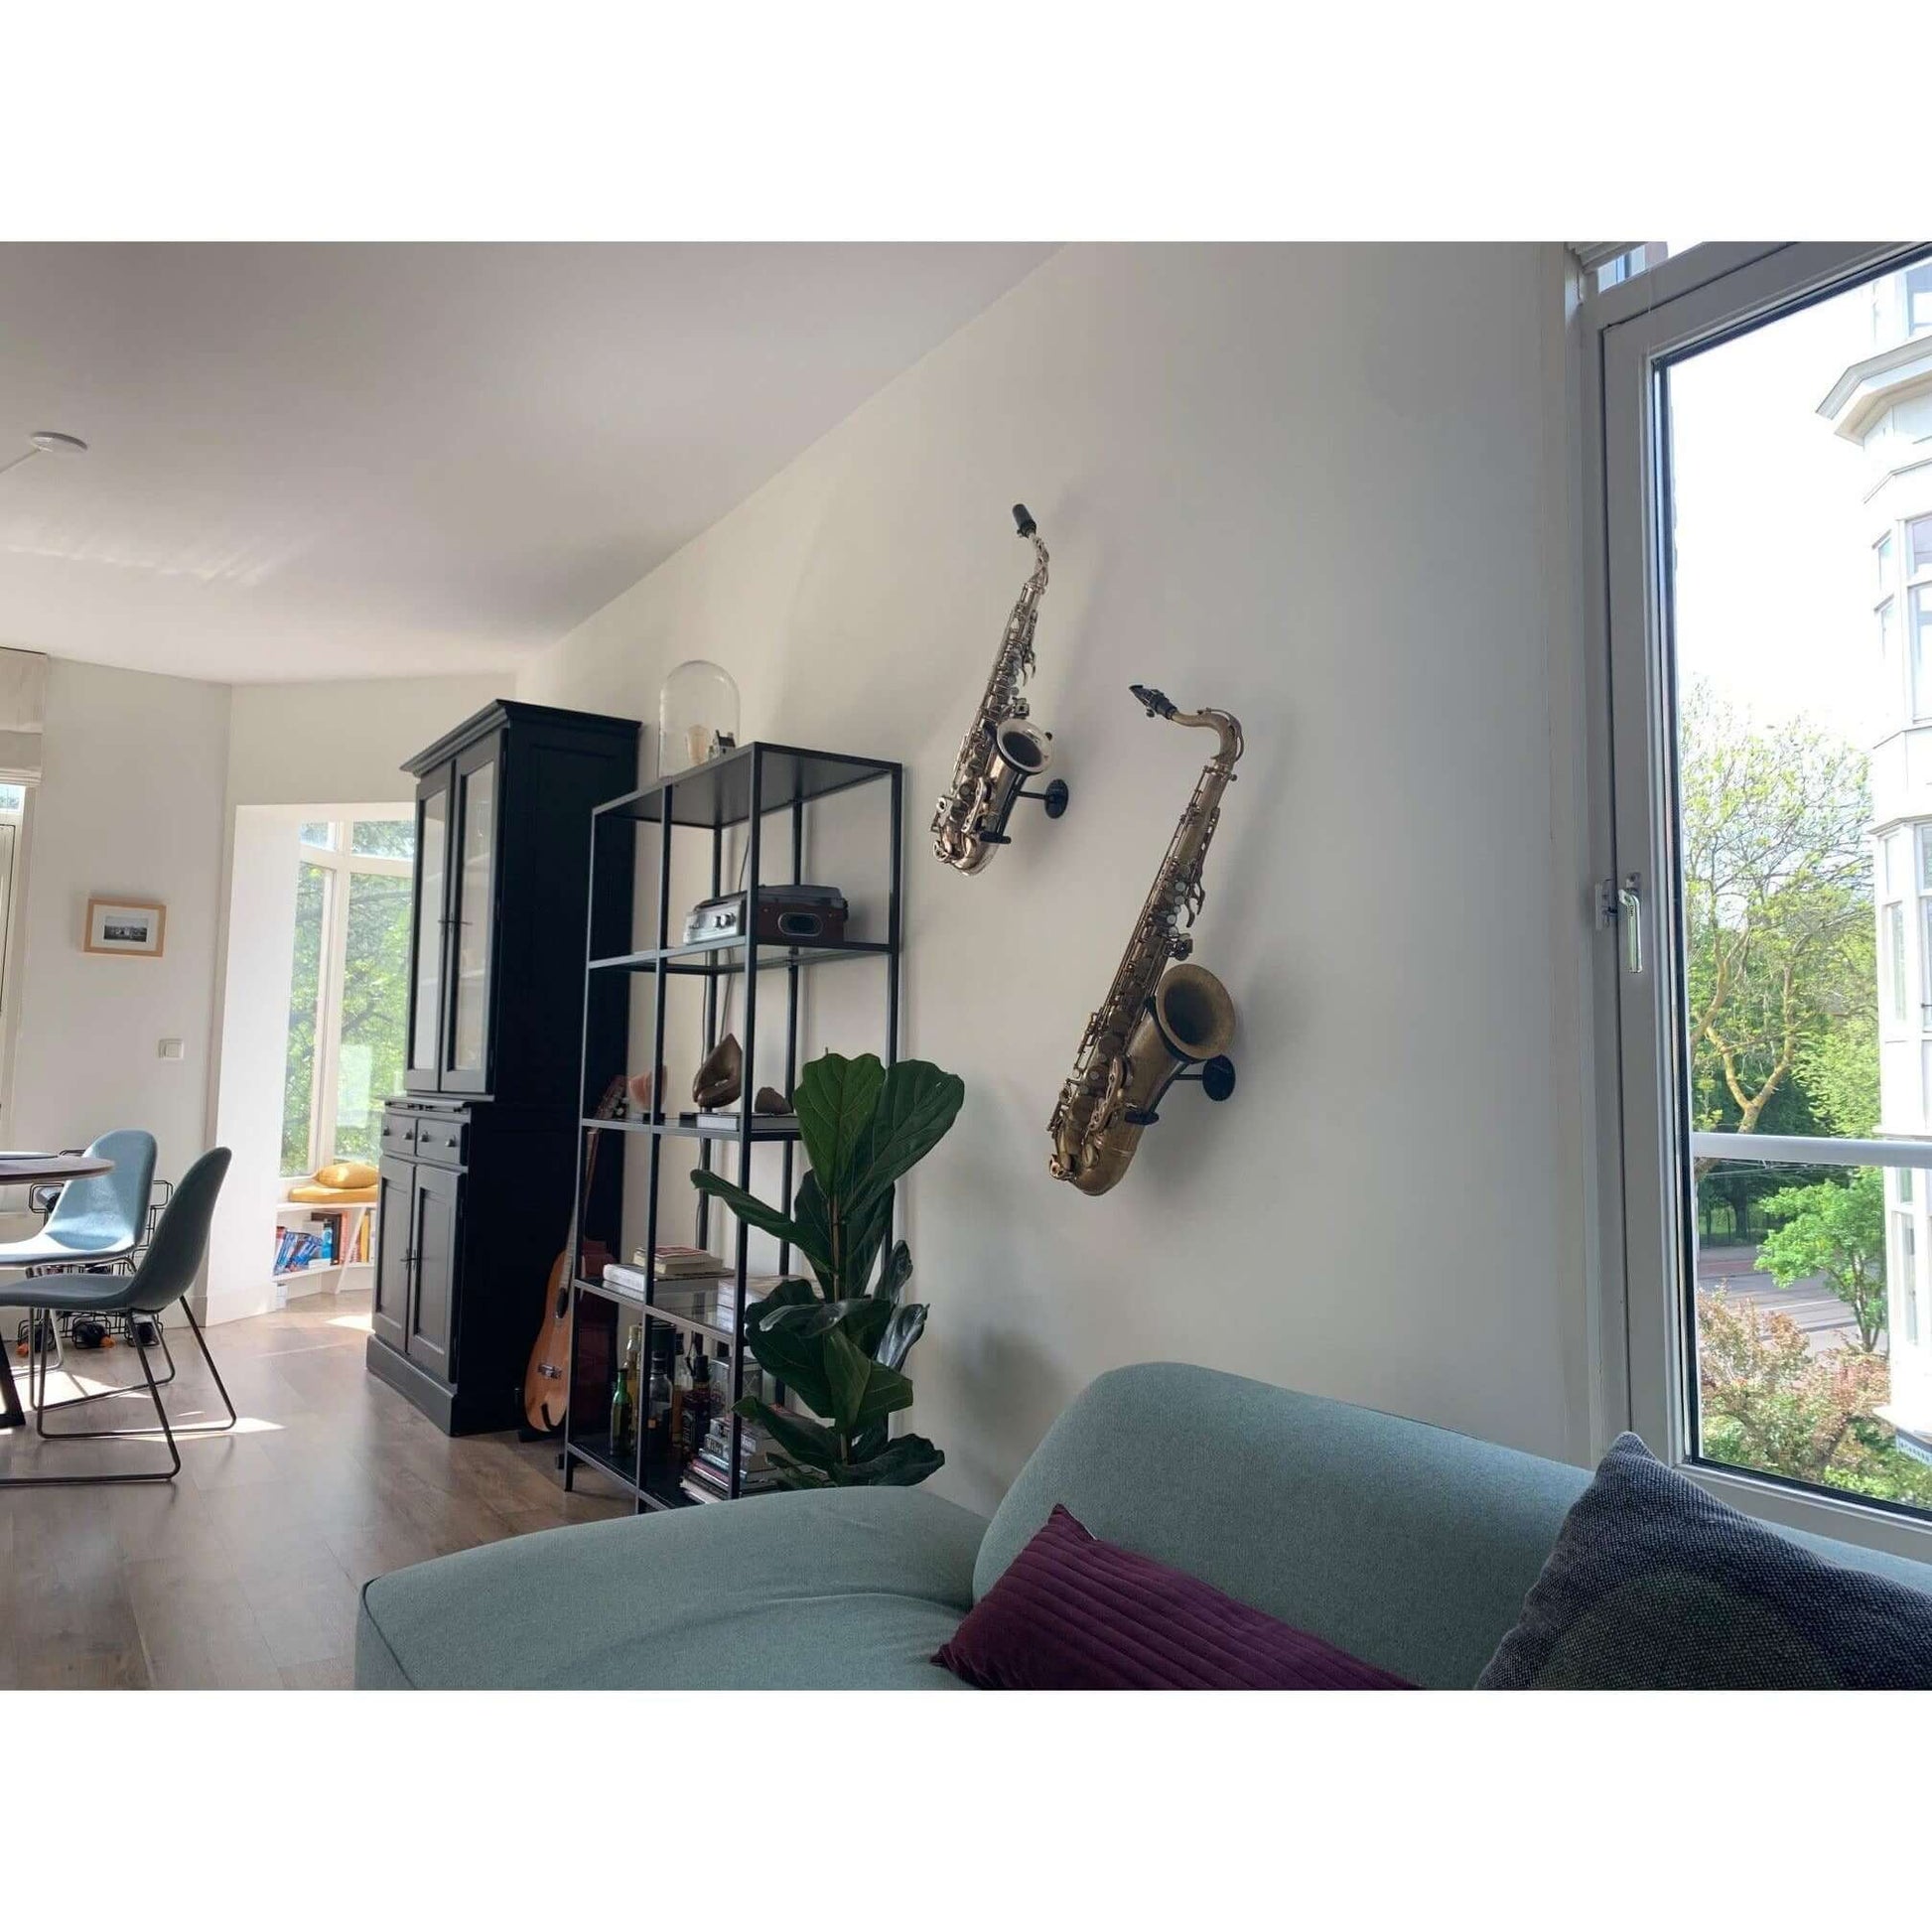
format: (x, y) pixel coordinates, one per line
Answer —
(426, 965)
(466, 1057)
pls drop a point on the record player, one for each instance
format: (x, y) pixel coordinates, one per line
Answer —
(784, 916)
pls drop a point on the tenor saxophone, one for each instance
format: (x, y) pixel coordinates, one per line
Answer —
(1160, 1017)
(1001, 749)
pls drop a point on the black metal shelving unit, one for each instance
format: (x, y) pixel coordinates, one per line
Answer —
(747, 787)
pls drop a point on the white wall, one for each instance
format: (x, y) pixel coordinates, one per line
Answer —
(129, 804)
(311, 743)
(1313, 486)
(258, 961)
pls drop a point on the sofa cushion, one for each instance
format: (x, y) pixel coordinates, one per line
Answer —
(1073, 1613)
(829, 1589)
(1653, 1585)
(1406, 1546)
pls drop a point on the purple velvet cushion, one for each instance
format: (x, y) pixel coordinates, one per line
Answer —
(1073, 1613)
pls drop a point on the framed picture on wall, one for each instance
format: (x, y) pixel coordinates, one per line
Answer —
(126, 926)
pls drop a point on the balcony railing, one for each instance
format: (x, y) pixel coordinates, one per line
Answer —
(1802, 1150)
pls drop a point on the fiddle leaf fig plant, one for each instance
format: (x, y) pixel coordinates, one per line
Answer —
(839, 1341)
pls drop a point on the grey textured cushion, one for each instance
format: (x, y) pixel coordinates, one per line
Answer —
(830, 1590)
(1406, 1546)
(1655, 1586)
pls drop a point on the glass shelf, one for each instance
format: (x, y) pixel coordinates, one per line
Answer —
(719, 792)
(690, 1130)
(595, 1448)
(672, 1317)
(717, 956)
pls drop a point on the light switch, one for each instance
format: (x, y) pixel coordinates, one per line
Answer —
(170, 1050)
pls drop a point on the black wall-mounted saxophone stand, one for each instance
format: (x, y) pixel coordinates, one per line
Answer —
(1215, 1078)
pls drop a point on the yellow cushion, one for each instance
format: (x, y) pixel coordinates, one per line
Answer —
(314, 1197)
(345, 1174)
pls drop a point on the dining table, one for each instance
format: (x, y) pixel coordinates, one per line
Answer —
(36, 1171)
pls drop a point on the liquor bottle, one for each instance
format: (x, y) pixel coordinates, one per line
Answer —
(658, 1396)
(680, 1384)
(623, 1401)
(698, 1400)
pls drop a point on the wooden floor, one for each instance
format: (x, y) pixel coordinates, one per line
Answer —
(243, 1571)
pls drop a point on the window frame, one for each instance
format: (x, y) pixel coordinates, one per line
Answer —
(339, 859)
(1643, 1280)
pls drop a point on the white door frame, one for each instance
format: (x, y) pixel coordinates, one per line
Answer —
(1646, 1249)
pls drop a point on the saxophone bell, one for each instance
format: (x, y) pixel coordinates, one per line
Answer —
(1020, 750)
(1187, 1029)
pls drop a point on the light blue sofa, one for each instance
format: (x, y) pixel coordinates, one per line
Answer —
(1408, 1545)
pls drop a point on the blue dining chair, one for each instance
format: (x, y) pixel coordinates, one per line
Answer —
(97, 1221)
(162, 1277)
(99, 1217)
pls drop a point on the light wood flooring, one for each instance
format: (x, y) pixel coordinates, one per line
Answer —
(243, 1571)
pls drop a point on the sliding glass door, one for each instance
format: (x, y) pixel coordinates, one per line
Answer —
(1766, 463)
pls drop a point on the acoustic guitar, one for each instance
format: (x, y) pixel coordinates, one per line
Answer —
(547, 1382)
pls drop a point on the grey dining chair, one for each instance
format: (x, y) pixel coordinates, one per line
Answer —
(97, 1220)
(163, 1277)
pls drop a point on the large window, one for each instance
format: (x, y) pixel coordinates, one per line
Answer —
(1773, 1098)
(348, 988)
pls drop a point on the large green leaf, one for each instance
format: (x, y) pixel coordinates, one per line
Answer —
(907, 1460)
(749, 1208)
(895, 1273)
(848, 1373)
(835, 1098)
(863, 1320)
(798, 1361)
(917, 1104)
(863, 1391)
(907, 1325)
(860, 1239)
(793, 1475)
(814, 1221)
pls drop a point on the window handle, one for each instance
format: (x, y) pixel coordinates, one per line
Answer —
(1630, 908)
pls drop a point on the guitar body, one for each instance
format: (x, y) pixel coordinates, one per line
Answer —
(547, 1382)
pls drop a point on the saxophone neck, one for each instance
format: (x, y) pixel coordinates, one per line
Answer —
(1225, 725)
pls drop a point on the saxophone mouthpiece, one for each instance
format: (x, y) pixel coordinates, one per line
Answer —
(1023, 518)
(1158, 704)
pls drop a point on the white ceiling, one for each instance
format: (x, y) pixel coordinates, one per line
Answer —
(361, 460)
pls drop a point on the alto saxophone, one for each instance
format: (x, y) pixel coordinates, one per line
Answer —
(1001, 751)
(1158, 1017)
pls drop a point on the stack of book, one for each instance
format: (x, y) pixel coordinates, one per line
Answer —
(707, 1476)
(297, 1249)
(675, 1264)
(730, 1120)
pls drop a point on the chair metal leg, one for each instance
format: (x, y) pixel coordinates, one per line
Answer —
(201, 1341)
(114, 1475)
(43, 1409)
(41, 1405)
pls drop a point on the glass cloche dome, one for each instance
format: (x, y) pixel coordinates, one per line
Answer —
(697, 715)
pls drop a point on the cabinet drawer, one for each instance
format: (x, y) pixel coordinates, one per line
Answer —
(442, 1139)
(398, 1135)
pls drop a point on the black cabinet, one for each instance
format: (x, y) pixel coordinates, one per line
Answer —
(477, 1154)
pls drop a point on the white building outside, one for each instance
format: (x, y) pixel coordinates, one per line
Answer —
(1883, 403)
